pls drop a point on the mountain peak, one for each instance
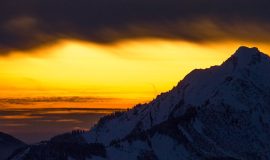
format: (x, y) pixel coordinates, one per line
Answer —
(247, 49)
(244, 52)
(245, 56)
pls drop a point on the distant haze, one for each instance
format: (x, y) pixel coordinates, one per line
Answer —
(35, 125)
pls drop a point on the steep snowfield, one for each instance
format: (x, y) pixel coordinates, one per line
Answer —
(8, 145)
(222, 112)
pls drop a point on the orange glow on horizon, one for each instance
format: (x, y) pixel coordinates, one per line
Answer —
(133, 70)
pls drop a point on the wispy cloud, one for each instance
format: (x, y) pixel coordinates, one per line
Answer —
(20, 117)
(14, 125)
(30, 100)
(61, 120)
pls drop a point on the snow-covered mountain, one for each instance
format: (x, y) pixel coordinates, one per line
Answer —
(222, 112)
(8, 145)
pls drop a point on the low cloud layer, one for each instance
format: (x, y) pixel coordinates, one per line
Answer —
(52, 99)
(26, 24)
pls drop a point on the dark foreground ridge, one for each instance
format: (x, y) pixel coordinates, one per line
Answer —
(219, 113)
(8, 145)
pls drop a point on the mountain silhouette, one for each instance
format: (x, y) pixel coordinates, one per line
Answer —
(8, 145)
(222, 112)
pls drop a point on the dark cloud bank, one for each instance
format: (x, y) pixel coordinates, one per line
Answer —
(25, 24)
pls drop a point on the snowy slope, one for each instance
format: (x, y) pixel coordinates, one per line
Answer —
(222, 112)
(8, 145)
(216, 83)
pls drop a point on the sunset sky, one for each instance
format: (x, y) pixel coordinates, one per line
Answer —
(117, 53)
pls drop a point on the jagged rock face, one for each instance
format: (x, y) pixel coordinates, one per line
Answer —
(8, 145)
(222, 112)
